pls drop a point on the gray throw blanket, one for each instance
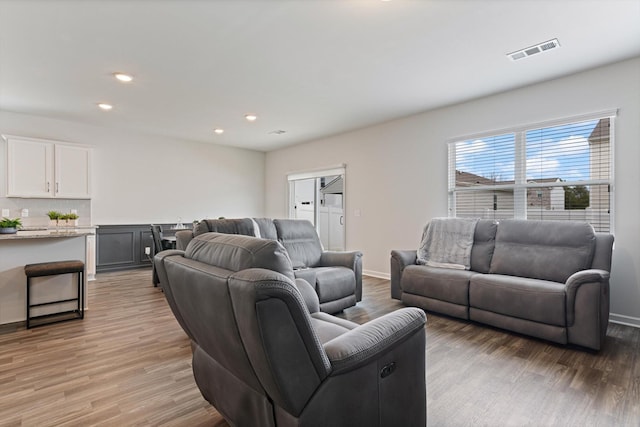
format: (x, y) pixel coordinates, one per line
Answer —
(447, 242)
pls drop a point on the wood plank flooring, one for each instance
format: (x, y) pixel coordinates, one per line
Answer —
(128, 363)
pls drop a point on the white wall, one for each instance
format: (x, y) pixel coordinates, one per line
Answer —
(397, 171)
(141, 179)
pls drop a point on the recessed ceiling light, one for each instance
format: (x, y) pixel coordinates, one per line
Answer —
(251, 117)
(219, 131)
(105, 107)
(125, 78)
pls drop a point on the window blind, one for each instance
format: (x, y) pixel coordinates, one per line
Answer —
(556, 172)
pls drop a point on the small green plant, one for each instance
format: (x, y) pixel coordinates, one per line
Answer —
(54, 215)
(68, 218)
(10, 223)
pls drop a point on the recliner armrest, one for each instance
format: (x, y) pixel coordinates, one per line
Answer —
(404, 257)
(158, 265)
(399, 260)
(367, 342)
(183, 237)
(344, 259)
(575, 281)
(586, 276)
(308, 295)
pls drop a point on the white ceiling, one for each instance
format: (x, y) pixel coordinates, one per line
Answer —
(313, 68)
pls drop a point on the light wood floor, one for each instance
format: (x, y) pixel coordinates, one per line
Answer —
(128, 364)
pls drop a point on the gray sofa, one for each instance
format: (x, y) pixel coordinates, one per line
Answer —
(548, 279)
(264, 355)
(336, 276)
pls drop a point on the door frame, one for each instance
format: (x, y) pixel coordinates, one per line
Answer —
(314, 174)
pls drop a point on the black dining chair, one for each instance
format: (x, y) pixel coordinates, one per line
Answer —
(160, 243)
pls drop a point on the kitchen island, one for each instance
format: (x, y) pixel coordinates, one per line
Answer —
(36, 246)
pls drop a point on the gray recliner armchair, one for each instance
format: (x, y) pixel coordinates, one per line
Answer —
(264, 355)
(335, 276)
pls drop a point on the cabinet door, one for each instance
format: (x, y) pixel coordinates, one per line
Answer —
(30, 168)
(72, 172)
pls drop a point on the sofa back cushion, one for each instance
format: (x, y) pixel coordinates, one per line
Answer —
(547, 250)
(267, 228)
(237, 252)
(228, 226)
(198, 294)
(484, 240)
(301, 241)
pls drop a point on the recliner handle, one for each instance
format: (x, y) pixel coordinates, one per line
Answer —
(387, 370)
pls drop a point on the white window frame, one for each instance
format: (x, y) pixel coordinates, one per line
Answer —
(520, 185)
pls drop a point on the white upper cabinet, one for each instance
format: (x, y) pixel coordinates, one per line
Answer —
(72, 171)
(42, 169)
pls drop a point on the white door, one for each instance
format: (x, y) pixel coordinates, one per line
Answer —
(304, 200)
(325, 211)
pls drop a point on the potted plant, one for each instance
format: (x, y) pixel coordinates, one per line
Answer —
(70, 220)
(9, 226)
(54, 217)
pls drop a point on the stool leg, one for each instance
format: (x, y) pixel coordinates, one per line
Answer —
(28, 301)
(81, 294)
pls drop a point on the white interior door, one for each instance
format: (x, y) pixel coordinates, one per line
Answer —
(311, 197)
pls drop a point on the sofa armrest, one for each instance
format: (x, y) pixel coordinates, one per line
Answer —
(159, 273)
(308, 295)
(183, 237)
(575, 282)
(399, 260)
(337, 258)
(367, 342)
(587, 307)
(351, 260)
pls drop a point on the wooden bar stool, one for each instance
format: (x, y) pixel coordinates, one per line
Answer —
(52, 269)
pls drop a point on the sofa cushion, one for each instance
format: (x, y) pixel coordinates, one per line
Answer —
(444, 284)
(228, 226)
(266, 228)
(328, 327)
(333, 283)
(484, 240)
(531, 299)
(236, 252)
(547, 250)
(301, 241)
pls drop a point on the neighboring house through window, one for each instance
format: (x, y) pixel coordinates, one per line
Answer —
(553, 171)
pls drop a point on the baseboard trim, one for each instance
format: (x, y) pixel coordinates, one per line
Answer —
(376, 274)
(624, 320)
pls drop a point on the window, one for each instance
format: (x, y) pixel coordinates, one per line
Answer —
(557, 171)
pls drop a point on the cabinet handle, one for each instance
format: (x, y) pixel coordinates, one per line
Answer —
(57, 187)
(48, 186)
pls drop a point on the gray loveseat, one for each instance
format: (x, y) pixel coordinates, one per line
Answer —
(264, 355)
(548, 279)
(335, 276)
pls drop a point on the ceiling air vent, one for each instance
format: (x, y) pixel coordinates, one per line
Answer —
(533, 50)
